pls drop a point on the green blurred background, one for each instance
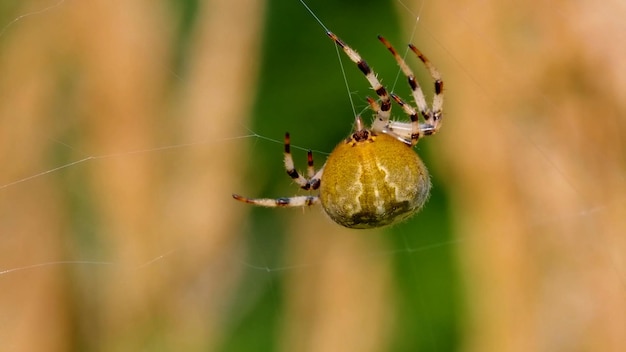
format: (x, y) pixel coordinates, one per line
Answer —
(302, 90)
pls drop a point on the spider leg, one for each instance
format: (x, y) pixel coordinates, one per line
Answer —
(418, 95)
(299, 201)
(435, 117)
(383, 111)
(310, 169)
(432, 118)
(313, 182)
(410, 133)
(414, 135)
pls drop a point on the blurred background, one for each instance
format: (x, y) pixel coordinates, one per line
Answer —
(126, 125)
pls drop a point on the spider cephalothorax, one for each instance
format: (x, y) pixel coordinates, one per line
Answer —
(373, 178)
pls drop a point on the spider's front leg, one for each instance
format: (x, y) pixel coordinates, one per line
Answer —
(383, 111)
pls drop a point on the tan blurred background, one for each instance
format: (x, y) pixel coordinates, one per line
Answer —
(139, 246)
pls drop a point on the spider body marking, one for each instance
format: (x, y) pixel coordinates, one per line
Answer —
(373, 178)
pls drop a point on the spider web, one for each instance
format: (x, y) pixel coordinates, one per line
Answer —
(122, 153)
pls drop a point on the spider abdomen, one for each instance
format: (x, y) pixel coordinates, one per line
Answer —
(373, 181)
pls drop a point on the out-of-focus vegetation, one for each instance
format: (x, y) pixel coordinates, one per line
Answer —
(125, 127)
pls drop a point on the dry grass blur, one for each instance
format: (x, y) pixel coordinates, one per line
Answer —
(535, 157)
(532, 153)
(120, 98)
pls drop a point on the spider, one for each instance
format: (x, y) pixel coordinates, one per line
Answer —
(373, 178)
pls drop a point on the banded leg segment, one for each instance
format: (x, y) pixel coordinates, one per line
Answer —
(299, 201)
(416, 90)
(383, 111)
(313, 182)
(410, 133)
(437, 107)
(432, 118)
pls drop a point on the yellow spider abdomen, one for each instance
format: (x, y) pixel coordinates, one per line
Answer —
(372, 180)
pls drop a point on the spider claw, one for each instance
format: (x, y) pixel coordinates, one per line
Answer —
(336, 39)
(240, 198)
(388, 45)
(398, 99)
(417, 52)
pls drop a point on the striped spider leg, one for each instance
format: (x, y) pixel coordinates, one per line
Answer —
(311, 182)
